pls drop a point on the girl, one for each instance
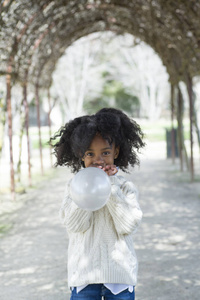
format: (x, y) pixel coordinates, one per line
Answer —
(101, 256)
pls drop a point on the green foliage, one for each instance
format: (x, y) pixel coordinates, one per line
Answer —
(127, 102)
(35, 143)
(94, 105)
(32, 103)
(115, 95)
(111, 88)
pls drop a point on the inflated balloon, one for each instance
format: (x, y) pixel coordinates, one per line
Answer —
(90, 188)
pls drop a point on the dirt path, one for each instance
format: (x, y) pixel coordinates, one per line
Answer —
(33, 253)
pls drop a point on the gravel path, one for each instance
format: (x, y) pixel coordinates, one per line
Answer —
(33, 253)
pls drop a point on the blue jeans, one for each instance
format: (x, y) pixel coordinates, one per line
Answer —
(97, 291)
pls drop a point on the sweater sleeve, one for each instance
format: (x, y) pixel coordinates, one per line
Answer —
(123, 205)
(74, 218)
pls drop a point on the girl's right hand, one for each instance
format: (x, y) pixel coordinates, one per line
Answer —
(110, 170)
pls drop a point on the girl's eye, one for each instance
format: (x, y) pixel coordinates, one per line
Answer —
(89, 154)
(106, 153)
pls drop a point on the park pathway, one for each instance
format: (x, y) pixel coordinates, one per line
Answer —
(33, 253)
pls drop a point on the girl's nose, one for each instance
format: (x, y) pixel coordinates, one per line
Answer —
(98, 160)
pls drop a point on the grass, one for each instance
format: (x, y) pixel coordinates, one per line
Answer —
(155, 131)
(4, 228)
(34, 136)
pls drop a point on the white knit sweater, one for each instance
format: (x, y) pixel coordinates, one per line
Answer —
(101, 246)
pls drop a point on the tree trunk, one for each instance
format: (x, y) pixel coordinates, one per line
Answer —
(180, 127)
(196, 123)
(27, 129)
(10, 132)
(191, 116)
(197, 128)
(172, 124)
(49, 123)
(3, 123)
(39, 125)
(22, 122)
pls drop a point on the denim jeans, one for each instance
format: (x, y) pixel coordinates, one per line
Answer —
(97, 291)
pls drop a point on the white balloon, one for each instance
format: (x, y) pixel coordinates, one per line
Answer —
(90, 188)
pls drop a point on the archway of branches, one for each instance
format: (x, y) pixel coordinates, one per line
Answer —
(34, 35)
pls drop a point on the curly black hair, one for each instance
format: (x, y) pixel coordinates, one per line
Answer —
(112, 124)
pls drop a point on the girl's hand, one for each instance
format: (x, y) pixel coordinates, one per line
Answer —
(110, 170)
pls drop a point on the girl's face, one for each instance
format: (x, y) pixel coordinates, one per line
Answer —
(100, 153)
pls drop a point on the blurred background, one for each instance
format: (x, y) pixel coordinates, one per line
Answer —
(49, 78)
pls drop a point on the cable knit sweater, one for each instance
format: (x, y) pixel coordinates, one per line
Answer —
(101, 248)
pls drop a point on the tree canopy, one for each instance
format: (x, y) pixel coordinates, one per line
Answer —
(34, 34)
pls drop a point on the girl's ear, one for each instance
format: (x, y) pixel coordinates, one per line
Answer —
(116, 152)
(83, 161)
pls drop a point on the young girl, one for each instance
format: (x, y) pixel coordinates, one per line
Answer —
(101, 256)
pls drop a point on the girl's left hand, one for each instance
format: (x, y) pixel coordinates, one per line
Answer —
(110, 170)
